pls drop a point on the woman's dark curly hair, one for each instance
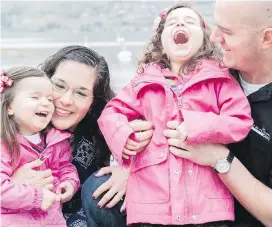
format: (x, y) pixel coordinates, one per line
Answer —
(102, 92)
(153, 53)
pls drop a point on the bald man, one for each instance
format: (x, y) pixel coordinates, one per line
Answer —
(244, 32)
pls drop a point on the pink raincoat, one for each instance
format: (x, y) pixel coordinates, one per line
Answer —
(21, 203)
(163, 188)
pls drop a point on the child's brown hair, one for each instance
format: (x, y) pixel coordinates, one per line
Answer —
(153, 53)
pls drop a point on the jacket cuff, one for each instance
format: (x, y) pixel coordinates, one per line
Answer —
(38, 198)
(199, 131)
(118, 142)
(75, 184)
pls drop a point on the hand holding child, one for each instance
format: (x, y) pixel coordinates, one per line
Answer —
(182, 132)
(176, 135)
(27, 174)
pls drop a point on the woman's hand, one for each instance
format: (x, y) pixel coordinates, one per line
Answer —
(26, 175)
(143, 131)
(202, 154)
(115, 187)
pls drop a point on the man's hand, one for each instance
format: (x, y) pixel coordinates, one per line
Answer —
(183, 133)
(202, 154)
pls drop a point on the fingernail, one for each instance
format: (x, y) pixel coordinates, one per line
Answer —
(42, 158)
(153, 127)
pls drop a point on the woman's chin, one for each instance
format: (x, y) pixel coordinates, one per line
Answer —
(60, 124)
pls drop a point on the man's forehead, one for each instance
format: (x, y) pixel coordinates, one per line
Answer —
(244, 13)
(225, 14)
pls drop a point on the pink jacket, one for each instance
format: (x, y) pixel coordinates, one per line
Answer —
(162, 188)
(21, 203)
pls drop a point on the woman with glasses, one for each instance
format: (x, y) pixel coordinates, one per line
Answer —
(81, 88)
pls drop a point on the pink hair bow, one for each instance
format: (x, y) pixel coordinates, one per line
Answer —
(4, 81)
(158, 19)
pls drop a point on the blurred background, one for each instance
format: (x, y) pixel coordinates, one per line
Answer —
(33, 30)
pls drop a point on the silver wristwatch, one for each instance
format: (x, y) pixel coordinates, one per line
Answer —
(223, 165)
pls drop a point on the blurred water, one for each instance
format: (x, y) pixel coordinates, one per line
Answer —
(33, 30)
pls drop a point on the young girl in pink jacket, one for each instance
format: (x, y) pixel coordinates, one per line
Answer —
(26, 111)
(181, 79)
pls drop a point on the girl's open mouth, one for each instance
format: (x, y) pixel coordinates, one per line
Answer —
(42, 114)
(181, 37)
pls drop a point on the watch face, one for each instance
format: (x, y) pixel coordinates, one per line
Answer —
(222, 166)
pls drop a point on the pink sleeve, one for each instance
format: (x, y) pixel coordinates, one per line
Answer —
(231, 125)
(16, 196)
(67, 171)
(114, 121)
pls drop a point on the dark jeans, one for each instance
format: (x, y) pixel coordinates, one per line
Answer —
(95, 216)
(212, 224)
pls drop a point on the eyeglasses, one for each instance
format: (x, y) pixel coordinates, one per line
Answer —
(78, 93)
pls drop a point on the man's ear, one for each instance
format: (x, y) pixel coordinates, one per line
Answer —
(267, 38)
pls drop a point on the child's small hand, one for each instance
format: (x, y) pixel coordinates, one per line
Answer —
(130, 149)
(49, 198)
(183, 132)
(127, 153)
(65, 191)
(137, 142)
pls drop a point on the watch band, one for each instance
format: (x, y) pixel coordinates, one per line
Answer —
(230, 157)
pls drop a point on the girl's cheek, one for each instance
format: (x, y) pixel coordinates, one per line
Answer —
(53, 107)
(55, 95)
